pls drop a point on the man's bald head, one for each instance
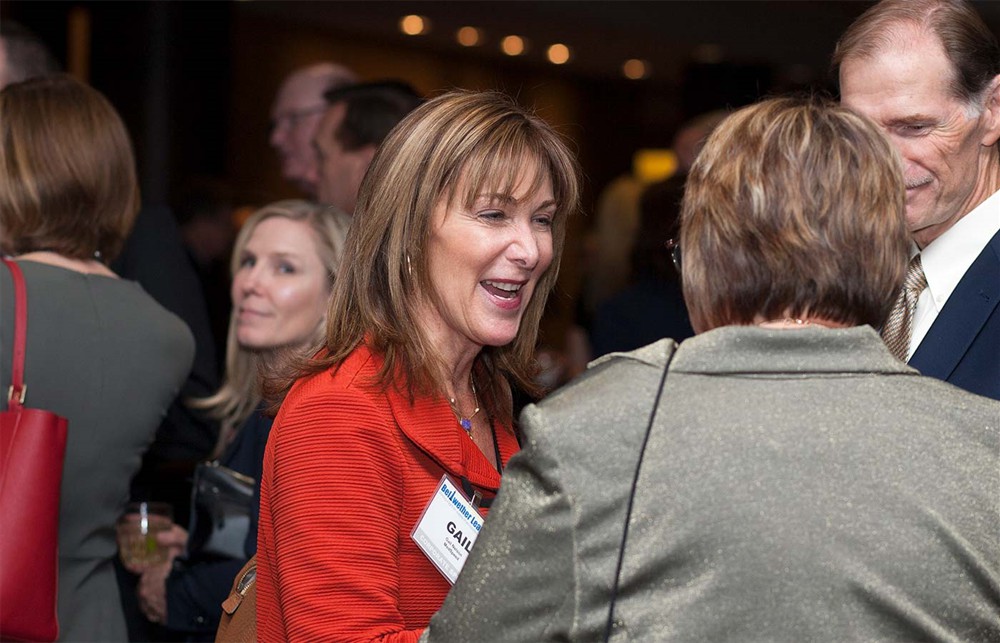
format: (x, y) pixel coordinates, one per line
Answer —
(295, 114)
(23, 55)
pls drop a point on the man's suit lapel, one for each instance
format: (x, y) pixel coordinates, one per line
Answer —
(962, 317)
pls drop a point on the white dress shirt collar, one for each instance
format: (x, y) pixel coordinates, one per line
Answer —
(946, 260)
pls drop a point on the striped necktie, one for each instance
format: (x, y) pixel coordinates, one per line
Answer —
(898, 328)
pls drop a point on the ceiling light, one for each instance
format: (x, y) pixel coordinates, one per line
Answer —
(469, 36)
(635, 69)
(413, 25)
(558, 54)
(513, 45)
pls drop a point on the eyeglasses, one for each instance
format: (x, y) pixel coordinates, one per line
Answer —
(292, 118)
(674, 246)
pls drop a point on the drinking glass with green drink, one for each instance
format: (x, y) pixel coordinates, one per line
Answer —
(137, 530)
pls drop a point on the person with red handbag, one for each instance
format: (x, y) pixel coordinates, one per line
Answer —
(100, 352)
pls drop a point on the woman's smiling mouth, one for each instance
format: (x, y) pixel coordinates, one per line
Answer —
(502, 289)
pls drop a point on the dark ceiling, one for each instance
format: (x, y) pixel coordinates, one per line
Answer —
(194, 80)
(795, 37)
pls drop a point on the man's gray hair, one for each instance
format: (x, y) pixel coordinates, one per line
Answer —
(968, 43)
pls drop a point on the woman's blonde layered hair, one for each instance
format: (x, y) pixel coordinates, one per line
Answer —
(241, 391)
(795, 207)
(67, 172)
(453, 148)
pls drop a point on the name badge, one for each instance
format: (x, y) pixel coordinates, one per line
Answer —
(448, 528)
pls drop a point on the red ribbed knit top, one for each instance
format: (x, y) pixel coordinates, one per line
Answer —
(347, 472)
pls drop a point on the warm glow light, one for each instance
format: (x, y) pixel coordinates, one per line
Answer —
(512, 45)
(414, 25)
(558, 54)
(635, 68)
(651, 165)
(469, 36)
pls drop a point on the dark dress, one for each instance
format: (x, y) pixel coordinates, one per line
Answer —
(103, 354)
(197, 586)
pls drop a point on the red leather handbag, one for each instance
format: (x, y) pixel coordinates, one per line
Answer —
(32, 446)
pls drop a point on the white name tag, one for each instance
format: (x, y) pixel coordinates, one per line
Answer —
(448, 528)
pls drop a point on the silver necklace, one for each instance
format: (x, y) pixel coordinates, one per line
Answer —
(465, 422)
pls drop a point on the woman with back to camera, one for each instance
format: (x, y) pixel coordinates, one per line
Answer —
(454, 248)
(101, 352)
(284, 263)
(799, 483)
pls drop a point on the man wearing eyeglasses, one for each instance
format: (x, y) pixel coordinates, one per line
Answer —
(295, 115)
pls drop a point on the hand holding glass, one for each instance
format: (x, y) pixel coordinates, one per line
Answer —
(137, 530)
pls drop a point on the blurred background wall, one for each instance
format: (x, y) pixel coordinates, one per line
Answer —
(194, 81)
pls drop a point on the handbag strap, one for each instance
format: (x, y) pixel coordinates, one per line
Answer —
(631, 499)
(15, 394)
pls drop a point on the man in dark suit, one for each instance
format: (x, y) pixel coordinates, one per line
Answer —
(927, 72)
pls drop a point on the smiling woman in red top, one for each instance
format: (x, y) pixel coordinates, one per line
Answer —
(454, 249)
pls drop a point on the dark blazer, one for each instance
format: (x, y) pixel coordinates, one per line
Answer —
(963, 345)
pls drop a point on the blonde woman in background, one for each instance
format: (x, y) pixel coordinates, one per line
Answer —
(284, 261)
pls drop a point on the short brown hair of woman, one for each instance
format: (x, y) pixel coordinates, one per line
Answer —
(967, 41)
(461, 141)
(67, 170)
(794, 208)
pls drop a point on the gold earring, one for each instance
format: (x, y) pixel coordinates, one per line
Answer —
(409, 268)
